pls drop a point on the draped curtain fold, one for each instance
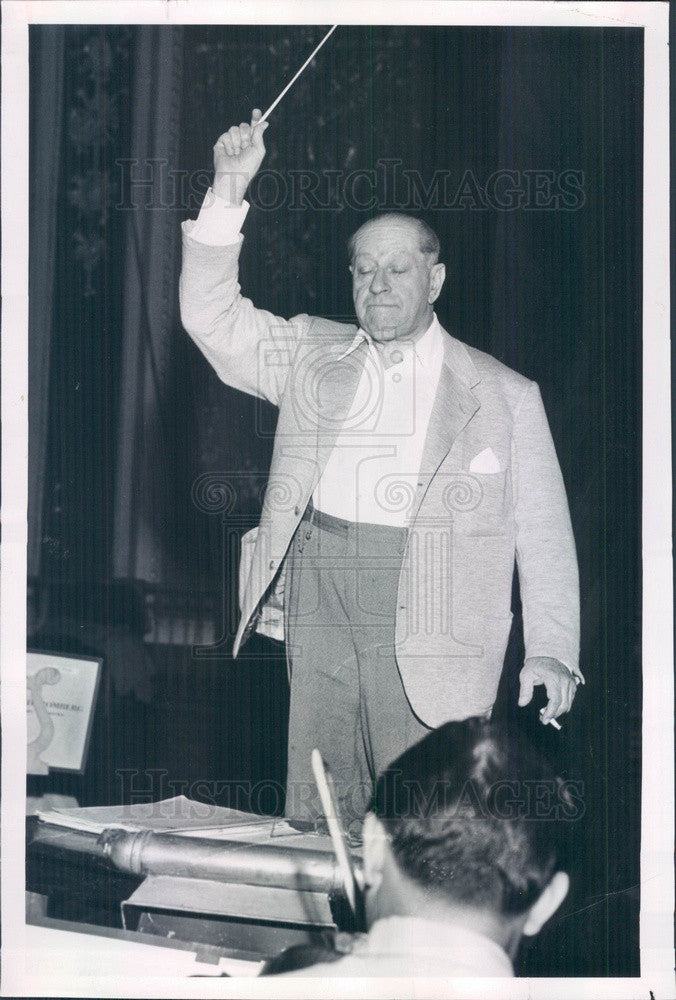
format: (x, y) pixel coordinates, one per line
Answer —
(151, 260)
(46, 122)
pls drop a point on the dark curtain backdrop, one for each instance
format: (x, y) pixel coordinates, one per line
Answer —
(46, 83)
(135, 433)
(145, 480)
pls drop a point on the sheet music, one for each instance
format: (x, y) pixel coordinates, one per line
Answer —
(179, 815)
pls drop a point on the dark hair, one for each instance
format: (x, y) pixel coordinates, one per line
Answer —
(464, 812)
(429, 241)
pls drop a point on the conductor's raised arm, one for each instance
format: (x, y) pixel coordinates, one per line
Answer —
(249, 348)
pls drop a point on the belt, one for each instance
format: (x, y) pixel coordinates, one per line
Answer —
(339, 526)
(327, 522)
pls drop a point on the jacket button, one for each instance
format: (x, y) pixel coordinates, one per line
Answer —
(272, 564)
(296, 511)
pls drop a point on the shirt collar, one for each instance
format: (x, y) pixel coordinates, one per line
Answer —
(398, 934)
(428, 348)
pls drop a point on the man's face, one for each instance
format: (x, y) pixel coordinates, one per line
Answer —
(393, 283)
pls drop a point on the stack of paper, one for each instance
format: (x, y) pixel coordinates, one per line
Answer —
(178, 815)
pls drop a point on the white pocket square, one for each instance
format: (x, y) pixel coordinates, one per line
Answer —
(485, 461)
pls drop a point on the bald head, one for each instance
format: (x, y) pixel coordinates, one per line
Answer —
(396, 276)
(428, 241)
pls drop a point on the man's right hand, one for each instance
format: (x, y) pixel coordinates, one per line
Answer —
(238, 154)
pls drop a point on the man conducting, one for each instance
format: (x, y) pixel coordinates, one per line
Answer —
(408, 473)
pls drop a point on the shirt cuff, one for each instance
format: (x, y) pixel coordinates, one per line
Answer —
(218, 223)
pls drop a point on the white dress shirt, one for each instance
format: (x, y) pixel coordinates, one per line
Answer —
(371, 473)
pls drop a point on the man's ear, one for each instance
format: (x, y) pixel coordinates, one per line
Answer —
(437, 278)
(375, 850)
(547, 904)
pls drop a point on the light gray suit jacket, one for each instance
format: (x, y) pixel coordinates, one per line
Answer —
(465, 527)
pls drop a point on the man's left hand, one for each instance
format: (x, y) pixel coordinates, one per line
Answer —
(559, 682)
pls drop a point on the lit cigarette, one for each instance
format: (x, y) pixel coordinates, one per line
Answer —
(550, 722)
(291, 82)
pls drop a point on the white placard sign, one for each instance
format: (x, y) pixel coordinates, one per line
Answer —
(61, 694)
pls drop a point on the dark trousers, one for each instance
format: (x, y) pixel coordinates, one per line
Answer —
(347, 697)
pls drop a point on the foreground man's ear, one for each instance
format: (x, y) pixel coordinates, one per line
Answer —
(375, 850)
(547, 904)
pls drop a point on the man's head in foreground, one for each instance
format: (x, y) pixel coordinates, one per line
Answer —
(396, 276)
(456, 835)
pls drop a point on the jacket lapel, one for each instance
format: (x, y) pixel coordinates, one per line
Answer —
(336, 391)
(454, 406)
(311, 418)
(309, 422)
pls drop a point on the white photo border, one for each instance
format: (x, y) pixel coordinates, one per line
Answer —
(21, 972)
